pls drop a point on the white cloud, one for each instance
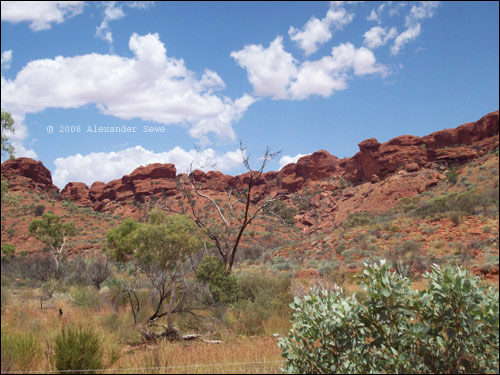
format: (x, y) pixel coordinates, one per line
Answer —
(287, 159)
(102, 166)
(423, 10)
(269, 70)
(274, 72)
(40, 14)
(112, 12)
(6, 59)
(378, 36)
(405, 37)
(330, 73)
(373, 17)
(316, 32)
(150, 86)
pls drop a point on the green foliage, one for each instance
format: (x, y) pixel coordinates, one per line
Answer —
(222, 285)
(452, 176)
(452, 327)
(5, 188)
(51, 230)
(8, 250)
(356, 219)
(19, 351)
(86, 297)
(78, 349)
(7, 126)
(120, 240)
(466, 203)
(268, 290)
(280, 209)
(167, 240)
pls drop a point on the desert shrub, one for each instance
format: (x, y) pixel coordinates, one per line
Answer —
(271, 292)
(75, 271)
(86, 297)
(455, 217)
(222, 285)
(452, 327)
(261, 296)
(78, 349)
(452, 176)
(356, 219)
(281, 210)
(38, 210)
(406, 258)
(19, 350)
(98, 271)
(326, 268)
(249, 317)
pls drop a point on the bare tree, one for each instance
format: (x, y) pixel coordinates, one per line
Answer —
(98, 271)
(225, 221)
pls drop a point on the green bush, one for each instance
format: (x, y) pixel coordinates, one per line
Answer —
(19, 351)
(86, 297)
(78, 349)
(452, 177)
(452, 327)
(222, 285)
(356, 219)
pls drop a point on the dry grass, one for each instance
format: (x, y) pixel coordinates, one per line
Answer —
(22, 317)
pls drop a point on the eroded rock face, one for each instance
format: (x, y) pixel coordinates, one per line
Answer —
(315, 167)
(28, 174)
(412, 153)
(373, 163)
(77, 192)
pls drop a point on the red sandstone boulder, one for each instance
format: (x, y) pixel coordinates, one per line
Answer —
(28, 174)
(77, 192)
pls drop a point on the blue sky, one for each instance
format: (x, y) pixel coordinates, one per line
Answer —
(295, 76)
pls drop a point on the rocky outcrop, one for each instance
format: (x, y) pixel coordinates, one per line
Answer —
(77, 192)
(373, 163)
(28, 175)
(448, 147)
(314, 167)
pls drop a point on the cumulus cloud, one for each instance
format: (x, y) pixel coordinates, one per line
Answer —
(102, 166)
(40, 14)
(6, 59)
(378, 36)
(274, 72)
(287, 159)
(269, 70)
(418, 12)
(329, 74)
(114, 11)
(150, 86)
(316, 32)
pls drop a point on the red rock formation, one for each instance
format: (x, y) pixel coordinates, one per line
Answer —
(28, 174)
(77, 192)
(412, 153)
(374, 162)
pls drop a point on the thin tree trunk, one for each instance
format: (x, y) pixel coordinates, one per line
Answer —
(171, 305)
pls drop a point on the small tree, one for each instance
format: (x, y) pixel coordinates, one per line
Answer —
(168, 241)
(53, 233)
(161, 246)
(223, 286)
(226, 221)
(98, 271)
(7, 127)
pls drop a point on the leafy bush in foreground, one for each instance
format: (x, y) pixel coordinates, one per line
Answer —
(452, 327)
(78, 349)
